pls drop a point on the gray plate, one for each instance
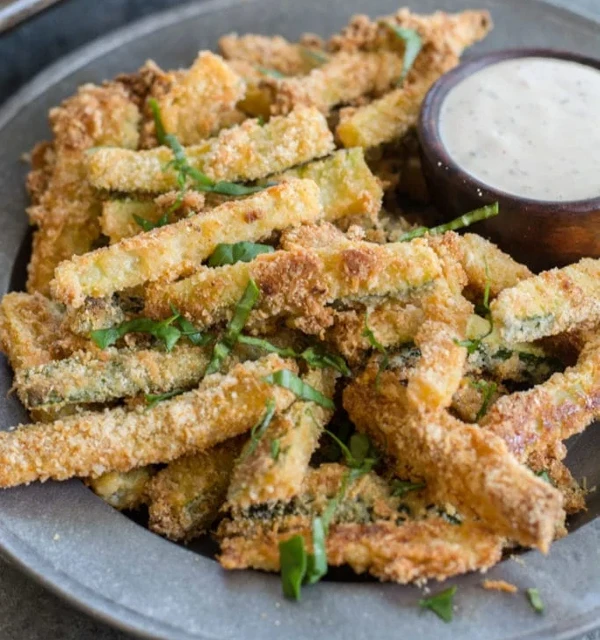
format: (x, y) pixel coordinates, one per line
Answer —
(118, 571)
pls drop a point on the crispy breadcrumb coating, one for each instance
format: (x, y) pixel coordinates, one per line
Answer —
(185, 497)
(90, 444)
(564, 405)
(249, 151)
(67, 211)
(461, 463)
(268, 472)
(178, 248)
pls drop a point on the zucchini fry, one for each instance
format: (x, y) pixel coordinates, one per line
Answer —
(393, 115)
(461, 463)
(538, 419)
(274, 468)
(172, 250)
(126, 490)
(347, 185)
(88, 445)
(86, 378)
(245, 152)
(272, 53)
(67, 212)
(367, 533)
(202, 100)
(328, 85)
(185, 497)
(31, 332)
(550, 303)
(299, 284)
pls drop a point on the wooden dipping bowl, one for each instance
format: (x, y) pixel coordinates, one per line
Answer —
(541, 234)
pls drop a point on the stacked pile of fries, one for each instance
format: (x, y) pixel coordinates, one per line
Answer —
(229, 320)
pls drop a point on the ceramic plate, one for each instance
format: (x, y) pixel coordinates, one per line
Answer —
(118, 571)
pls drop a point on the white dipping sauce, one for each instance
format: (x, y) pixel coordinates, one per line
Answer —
(529, 127)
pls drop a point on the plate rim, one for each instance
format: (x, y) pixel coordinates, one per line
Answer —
(12, 547)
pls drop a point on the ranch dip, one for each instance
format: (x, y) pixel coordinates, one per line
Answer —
(528, 126)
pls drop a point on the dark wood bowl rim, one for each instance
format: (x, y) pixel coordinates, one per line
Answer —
(435, 150)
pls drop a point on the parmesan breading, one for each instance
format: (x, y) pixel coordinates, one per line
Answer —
(184, 498)
(91, 444)
(460, 462)
(550, 303)
(249, 151)
(172, 250)
(274, 468)
(299, 284)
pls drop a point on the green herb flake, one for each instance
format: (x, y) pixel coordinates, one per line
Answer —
(275, 449)
(161, 330)
(402, 487)
(317, 560)
(488, 389)
(237, 252)
(259, 429)
(240, 317)
(543, 474)
(314, 55)
(153, 399)
(440, 604)
(489, 211)
(148, 225)
(535, 600)
(293, 561)
(288, 380)
(413, 44)
(273, 73)
(186, 172)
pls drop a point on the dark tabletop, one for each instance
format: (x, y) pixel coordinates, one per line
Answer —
(28, 611)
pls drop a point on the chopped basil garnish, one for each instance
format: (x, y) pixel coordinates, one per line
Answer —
(412, 46)
(271, 72)
(488, 389)
(402, 487)
(535, 600)
(360, 455)
(316, 565)
(238, 252)
(153, 399)
(288, 380)
(258, 430)
(275, 449)
(489, 211)
(317, 56)
(148, 225)
(240, 316)
(185, 172)
(293, 562)
(161, 330)
(440, 604)
(543, 474)
(314, 356)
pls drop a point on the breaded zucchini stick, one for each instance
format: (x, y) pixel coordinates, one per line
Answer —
(272, 53)
(274, 468)
(439, 370)
(457, 31)
(88, 445)
(185, 497)
(367, 533)
(115, 373)
(299, 284)
(552, 302)
(342, 79)
(117, 220)
(347, 185)
(201, 101)
(31, 332)
(172, 250)
(461, 463)
(393, 115)
(125, 490)
(245, 152)
(67, 211)
(536, 420)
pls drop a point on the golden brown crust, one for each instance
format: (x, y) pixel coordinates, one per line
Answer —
(499, 585)
(185, 497)
(91, 444)
(460, 462)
